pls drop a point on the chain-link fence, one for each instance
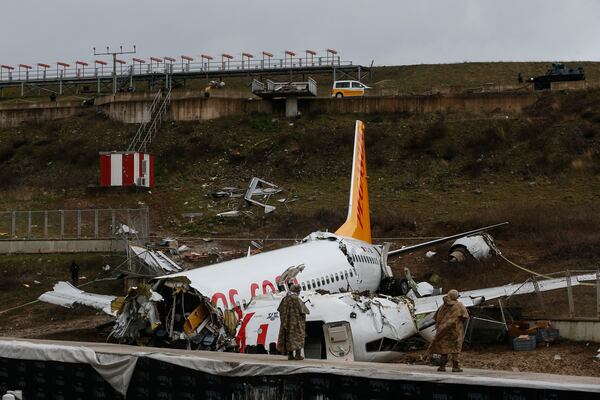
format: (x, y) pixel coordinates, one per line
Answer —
(74, 224)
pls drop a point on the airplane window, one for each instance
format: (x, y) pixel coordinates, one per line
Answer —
(327, 279)
(346, 274)
(351, 275)
(322, 281)
(337, 277)
(332, 278)
(303, 286)
(314, 285)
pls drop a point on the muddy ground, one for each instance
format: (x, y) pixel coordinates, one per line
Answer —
(564, 358)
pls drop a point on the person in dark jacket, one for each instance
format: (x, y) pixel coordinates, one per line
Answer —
(74, 273)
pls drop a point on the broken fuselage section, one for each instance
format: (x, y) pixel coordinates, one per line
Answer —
(171, 313)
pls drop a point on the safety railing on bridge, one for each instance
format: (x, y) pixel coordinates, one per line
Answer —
(74, 224)
(64, 71)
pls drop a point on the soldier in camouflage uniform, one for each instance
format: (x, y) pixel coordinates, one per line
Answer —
(292, 330)
(450, 331)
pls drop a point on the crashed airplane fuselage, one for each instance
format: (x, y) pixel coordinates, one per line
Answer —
(200, 308)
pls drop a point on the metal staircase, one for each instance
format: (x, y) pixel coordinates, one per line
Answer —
(145, 133)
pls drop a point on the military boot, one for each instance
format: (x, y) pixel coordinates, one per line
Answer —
(290, 355)
(298, 355)
(456, 367)
(443, 362)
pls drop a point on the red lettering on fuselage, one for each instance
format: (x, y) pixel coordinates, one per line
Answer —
(234, 303)
(267, 284)
(219, 296)
(253, 288)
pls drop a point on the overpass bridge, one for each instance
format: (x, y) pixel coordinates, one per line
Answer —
(156, 72)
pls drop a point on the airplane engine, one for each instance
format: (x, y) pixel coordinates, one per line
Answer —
(394, 286)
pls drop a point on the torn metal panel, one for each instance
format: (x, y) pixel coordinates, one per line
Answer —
(156, 261)
(260, 188)
(137, 314)
(66, 295)
(172, 314)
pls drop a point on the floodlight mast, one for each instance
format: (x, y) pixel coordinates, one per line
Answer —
(114, 55)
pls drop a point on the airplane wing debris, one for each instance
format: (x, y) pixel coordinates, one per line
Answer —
(66, 295)
(157, 261)
(424, 305)
(410, 249)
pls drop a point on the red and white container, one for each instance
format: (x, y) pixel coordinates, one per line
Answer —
(126, 168)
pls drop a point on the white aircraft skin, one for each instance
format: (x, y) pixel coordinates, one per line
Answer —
(232, 284)
(372, 319)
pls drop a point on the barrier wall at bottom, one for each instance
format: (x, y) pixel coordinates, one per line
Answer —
(104, 371)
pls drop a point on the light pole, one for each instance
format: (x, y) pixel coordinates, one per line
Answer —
(114, 56)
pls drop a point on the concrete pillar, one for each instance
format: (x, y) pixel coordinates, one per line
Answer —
(291, 107)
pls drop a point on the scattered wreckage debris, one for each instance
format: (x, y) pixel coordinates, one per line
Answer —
(479, 247)
(259, 188)
(150, 263)
(66, 295)
(228, 192)
(258, 193)
(234, 214)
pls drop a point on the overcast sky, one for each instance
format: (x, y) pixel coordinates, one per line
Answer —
(389, 32)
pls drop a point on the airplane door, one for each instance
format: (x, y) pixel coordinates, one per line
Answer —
(338, 341)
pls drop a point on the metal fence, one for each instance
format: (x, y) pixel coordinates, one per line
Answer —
(73, 224)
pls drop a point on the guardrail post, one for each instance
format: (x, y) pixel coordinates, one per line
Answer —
(95, 223)
(536, 286)
(62, 224)
(113, 228)
(78, 224)
(29, 224)
(13, 227)
(45, 223)
(570, 295)
(598, 292)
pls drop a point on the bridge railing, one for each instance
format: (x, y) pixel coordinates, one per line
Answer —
(175, 68)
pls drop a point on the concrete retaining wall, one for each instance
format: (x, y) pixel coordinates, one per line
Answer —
(578, 330)
(185, 106)
(61, 246)
(13, 115)
(471, 103)
(192, 106)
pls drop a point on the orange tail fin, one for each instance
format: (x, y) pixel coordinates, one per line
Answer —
(358, 222)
